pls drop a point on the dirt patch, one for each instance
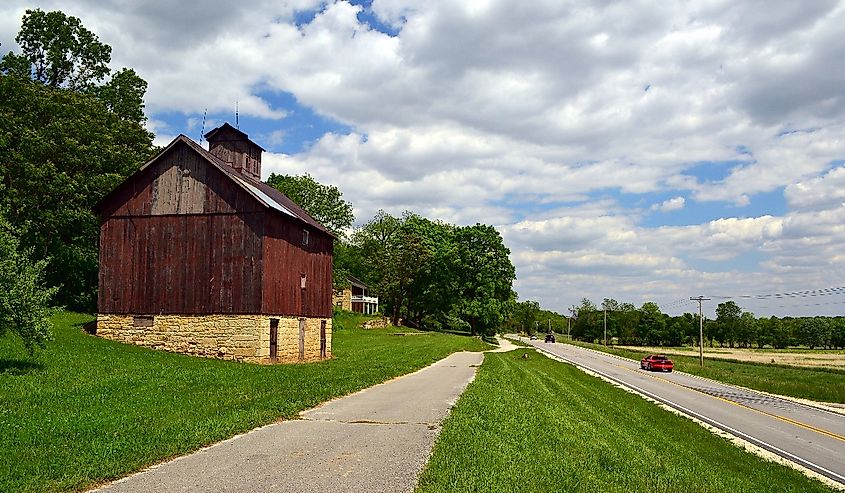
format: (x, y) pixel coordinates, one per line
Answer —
(808, 359)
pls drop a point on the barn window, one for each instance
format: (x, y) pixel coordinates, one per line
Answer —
(142, 321)
(305, 238)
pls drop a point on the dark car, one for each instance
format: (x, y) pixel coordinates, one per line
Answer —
(550, 338)
(656, 362)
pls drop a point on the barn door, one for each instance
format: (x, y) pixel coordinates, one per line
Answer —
(274, 339)
(301, 338)
(322, 339)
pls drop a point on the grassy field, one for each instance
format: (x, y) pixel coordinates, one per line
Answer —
(536, 425)
(818, 384)
(87, 409)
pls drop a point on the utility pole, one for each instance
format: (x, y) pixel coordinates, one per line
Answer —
(700, 329)
(550, 326)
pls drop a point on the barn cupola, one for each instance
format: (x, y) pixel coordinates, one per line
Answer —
(235, 149)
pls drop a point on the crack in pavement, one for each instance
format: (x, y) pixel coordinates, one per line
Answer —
(431, 426)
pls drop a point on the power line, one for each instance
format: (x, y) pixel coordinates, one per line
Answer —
(684, 303)
(802, 305)
(836, 291)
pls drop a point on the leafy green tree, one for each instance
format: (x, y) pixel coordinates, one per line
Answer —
(814, 332)
(431, 294)
(727, 322)
(837, 339)
(781, 331)
(610, 307)
(652, 324)
(557, 321)
(24, 300)
(711, 331)
(484, 278)
(524, 316)
(123, 95)
(627, 318)
(378, 240)
(748, 329)
(58, 51)
(588, 322)
(348, 260)
(323, 202)
(679, 329)
(395, 253)
(692, 327)
(436, 275)
(765, 328)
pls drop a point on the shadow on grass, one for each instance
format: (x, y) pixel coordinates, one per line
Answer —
(19, 367)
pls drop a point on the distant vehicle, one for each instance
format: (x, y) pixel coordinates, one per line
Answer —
(656, 362)
(533, 337)
(550, 338)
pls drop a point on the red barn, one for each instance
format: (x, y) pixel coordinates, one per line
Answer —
(198, 256)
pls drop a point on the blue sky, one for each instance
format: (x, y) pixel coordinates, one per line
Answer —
(627, 150)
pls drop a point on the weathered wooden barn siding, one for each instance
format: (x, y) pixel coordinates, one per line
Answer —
(181, 238)
(285, 260)
(181, 264)
(243, 156)
(179, 183)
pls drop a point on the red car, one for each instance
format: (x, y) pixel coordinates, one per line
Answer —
(657, 362)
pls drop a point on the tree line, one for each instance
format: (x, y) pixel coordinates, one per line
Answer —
(528, 317)
(649, 326)
(432, 274)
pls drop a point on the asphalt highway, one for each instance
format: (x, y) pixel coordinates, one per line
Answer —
(807, 435)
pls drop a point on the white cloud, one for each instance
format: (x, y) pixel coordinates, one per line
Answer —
(826, 191)
(673, 204)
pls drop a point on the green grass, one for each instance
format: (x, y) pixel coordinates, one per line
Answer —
(536, 425)
(350, 320)
(818, 384)
(87, 409)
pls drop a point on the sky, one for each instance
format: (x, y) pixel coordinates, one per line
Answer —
(640, 150)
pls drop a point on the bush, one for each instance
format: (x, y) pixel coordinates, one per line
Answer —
(24, 302)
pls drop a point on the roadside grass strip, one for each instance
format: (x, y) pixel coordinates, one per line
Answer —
(87, 410)
(537, 425)
(817, 384)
